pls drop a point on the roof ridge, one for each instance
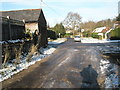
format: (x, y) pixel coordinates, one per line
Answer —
(22, 10)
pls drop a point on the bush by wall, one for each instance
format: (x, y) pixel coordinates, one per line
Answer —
(51, 34)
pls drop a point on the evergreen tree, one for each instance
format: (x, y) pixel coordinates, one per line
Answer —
(59, 28)
(118, 18)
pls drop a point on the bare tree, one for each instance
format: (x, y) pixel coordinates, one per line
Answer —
(91, 25)
(72, 21)
(88, 26)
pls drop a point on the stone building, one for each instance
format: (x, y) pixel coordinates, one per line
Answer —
(29, 16)
(34, 20)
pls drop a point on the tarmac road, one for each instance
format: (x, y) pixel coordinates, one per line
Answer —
(73, 65)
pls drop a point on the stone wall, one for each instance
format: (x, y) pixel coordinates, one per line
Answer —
(31, 26)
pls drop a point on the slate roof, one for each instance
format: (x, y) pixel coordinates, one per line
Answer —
(29, 15)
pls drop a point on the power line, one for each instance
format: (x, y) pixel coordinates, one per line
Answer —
(52, 9)
(41, 3)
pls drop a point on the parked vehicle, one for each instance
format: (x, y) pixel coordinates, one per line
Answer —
(77, 39)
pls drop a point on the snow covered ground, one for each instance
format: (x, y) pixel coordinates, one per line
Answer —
(11, 41)
(110, 70)
(92, 40)
(107, 68)
(58, 41)
(12, 68)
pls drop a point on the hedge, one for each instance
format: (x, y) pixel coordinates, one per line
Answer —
(95, 35)
(51, 34)
(115, 34)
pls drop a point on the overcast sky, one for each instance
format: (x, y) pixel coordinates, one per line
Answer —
(56, 10)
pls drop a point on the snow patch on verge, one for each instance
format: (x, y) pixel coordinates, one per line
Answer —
(112, 79)
(58, 41)
(11, 41)
(12, 69)
(92, 40)
(47, 51)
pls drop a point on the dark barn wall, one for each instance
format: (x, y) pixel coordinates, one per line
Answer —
(17, 31)
(5, 31)
(42, 25)
(12, 29)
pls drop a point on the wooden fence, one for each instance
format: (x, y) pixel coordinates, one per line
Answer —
(12, 29)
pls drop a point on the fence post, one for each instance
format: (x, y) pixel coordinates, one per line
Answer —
(0, 48)
(9, 26)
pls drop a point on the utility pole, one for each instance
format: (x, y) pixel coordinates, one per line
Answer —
(59, 35)
(41, 2)
(9, 25)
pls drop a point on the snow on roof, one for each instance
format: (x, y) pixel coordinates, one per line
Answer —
(97, 30)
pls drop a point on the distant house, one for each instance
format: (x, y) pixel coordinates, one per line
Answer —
(117, 24)
(69, 31)
(103, 32)
(34, 20)
(98, 30)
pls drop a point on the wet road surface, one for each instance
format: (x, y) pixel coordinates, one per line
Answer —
(72, 65)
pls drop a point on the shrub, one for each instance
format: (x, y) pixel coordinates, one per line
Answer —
(59, 28)
(67, 35)
(115, 34)
(86, 34)
(51, 34)
(95, 35)
(28, 35)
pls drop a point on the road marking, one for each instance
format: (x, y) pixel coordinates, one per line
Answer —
(63, 62)
(76, 50)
